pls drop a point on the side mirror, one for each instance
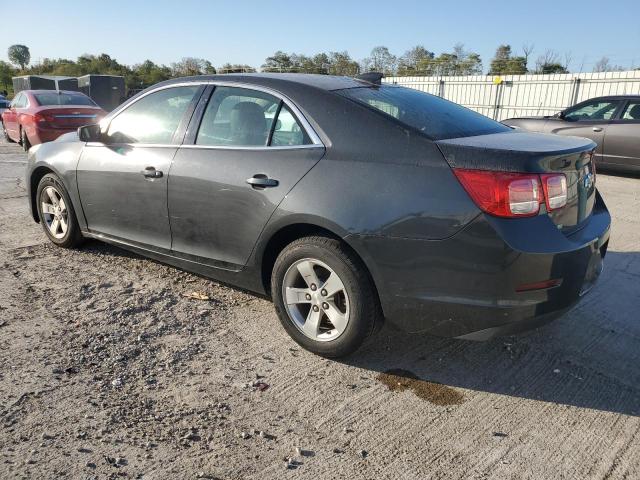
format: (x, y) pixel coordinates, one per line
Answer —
(90, 133)
(560, 115)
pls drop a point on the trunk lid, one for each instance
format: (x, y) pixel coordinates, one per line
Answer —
(533, 153)
(70, 116)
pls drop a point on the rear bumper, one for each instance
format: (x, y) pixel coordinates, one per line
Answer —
(466, 286)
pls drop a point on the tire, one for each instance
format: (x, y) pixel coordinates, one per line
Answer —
(24, 141)
(6, 134)
(51, 191)
(355, 309)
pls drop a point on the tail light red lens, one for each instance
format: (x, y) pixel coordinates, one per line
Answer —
(555, 190)
(506, 194)
(502, 194)
(43, 119)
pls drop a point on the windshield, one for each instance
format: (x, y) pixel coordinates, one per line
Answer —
(436, 117)
(63, 98)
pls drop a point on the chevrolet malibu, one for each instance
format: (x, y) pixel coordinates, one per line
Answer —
(347, 202)
(38, 116)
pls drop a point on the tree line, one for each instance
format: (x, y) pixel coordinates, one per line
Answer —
(416, 61)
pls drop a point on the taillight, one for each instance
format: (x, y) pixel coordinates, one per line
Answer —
(506, 194)
(555, 190)
(43, 119)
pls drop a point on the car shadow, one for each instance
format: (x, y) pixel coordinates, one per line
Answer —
(589, 358)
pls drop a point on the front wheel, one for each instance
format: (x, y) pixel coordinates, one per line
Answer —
(56, 213)
(324, 296)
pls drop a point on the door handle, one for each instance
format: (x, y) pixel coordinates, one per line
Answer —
(597, 129)
(151, 172)
(260, 180)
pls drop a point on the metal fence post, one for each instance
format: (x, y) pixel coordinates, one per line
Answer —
(576, 90)
(496, 106)
(441, 88)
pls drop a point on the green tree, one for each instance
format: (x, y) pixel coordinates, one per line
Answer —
(380, 60)
(236, 68)
(6, 72)
(549, 62)
(604, 65)
(190, 66)
(321, 63)
(341, 63)
(415, 61)
(458, 62)
(19, 55)
(505, 64)
(278, 62)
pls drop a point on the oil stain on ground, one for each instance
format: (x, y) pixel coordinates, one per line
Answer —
(399, 380)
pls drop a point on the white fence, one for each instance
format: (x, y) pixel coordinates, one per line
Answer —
(524, 95)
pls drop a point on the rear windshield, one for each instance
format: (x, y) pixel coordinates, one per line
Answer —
(4, 104)
(436, 117)
(59, 98)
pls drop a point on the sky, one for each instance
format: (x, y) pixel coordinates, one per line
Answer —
(248, 31)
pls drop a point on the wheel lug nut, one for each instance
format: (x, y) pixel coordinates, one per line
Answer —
(315, 308)
(325, 305)
(307, 296)
(313, 287)
(323, 292)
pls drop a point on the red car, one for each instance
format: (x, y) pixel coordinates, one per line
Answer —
(38, 116)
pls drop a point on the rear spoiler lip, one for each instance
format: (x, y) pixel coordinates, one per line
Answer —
(467, 153)
(374, 78)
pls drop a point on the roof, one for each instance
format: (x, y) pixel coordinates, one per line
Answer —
(44, 90)
(323, 82)
(614, 97)
(47, 77)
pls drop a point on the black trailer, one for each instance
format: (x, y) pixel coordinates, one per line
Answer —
(108, 91)
(44, 82)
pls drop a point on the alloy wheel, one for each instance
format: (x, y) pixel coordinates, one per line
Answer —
(316, 299)
(54, 211)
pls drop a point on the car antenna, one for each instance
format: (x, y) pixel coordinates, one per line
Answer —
(371, 77)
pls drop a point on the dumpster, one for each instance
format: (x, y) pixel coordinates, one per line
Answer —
(108, 91)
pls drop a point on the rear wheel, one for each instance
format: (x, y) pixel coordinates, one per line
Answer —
(324, 297)
(24, 141)
(56, 213)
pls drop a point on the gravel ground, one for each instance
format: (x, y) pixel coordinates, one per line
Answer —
(109, 369)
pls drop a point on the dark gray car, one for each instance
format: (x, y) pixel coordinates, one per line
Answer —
(345, 201)
(612, 122)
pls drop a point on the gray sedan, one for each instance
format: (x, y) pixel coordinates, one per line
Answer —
(612, 122)
(347, 202)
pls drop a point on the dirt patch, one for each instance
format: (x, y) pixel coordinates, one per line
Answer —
(399, 380)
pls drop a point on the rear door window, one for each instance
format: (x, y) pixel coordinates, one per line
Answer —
(631, 111)
(287, 131)
(237, 117)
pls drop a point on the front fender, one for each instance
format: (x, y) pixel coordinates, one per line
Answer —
(60, 158)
